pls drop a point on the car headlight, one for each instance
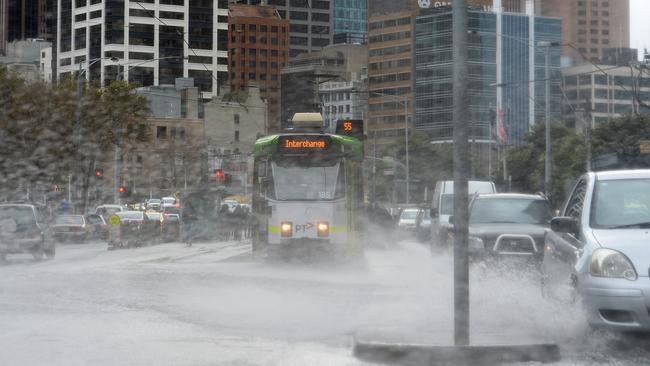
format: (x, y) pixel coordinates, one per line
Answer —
(613, 264)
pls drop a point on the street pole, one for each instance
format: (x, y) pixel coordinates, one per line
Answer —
(547, 159)
(374, 168)
(406, 133)
(461, 163)
(76, 138)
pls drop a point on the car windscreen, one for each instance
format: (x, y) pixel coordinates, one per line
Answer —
(447, 204)
(69, 220)
(620, 203)
(19, 215)
(294, 181)
(409, 215)
(510, 210)
(94, 219)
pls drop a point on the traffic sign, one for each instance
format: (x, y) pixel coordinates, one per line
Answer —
(114, 220)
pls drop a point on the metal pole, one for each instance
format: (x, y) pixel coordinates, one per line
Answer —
(547, 159)
(76, 138)
(406, 133)
(374, 167)
(461, 164)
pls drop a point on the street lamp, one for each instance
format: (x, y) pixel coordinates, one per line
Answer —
(547, 106)
(406, 136)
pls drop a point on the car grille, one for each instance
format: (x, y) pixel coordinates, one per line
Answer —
(516, 244)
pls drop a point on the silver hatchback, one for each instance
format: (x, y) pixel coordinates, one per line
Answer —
(599, 249)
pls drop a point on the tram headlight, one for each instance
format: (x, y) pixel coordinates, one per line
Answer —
(286, 229)
(323, 229)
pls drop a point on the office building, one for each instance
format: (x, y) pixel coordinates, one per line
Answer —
(258, 40)
(144, 43)
(596, 94)
(25, 19)
(506, 73)
(302, 78)
(310, 22)
(591, 26)
(350, 21)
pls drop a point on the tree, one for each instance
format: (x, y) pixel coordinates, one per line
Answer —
(621, 135)
(526, 163)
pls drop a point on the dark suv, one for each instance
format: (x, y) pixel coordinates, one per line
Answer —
(21, 232)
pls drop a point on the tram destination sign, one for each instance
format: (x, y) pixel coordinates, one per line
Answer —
(304, 143)
(350, 127)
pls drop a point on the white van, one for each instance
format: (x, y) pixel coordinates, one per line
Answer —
(442, 206)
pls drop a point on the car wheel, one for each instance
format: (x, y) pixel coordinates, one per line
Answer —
(39, 252)
(50, 252)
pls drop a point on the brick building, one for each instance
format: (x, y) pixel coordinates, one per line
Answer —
(258, 44)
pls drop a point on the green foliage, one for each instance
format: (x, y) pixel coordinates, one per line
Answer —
(526, 163)
(41, 141)
(621, 135)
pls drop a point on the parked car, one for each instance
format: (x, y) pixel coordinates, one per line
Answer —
(407, 219)
(442, 206)
(129, 231)
(21, 231)
(423, 225)
(168, 202)
(98, 226)
(597, 250)
(508, 224)
(105, 211)
(154, 204)
(70, 228)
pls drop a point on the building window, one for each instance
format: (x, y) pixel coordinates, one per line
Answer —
(181, 133)
(236, 135)
(172, 133)
(161, 132)
(236, 117)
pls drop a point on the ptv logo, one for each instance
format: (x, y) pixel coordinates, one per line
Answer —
(304, 227)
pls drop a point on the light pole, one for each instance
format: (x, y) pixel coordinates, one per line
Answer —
(547, 75)
(406, 137)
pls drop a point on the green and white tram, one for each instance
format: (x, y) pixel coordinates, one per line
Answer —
(307, 190)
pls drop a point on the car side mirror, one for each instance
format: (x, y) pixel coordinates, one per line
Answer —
(433, 212)
(564, 224)
(451, 220)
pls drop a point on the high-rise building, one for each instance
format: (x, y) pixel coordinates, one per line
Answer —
(591, 26)
(390, 71)
(506, 73)
(350, 21)
(147, 43)
(311, 22)
(258, 40)
(24, 19)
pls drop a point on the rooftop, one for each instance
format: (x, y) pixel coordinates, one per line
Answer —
(252, 11)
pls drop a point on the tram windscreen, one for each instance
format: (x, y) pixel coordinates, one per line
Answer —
(307, 182)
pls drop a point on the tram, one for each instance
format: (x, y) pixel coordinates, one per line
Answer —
(307, 190)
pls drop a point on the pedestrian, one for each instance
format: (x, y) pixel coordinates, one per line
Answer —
(222, 222)
(189, 218)
(238, 221)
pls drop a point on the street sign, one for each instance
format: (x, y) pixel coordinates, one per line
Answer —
(389, 172)
(114, 220)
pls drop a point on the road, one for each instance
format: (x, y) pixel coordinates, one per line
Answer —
(212, 304)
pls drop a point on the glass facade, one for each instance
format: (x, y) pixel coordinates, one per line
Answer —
(351, 19)
(434, 73)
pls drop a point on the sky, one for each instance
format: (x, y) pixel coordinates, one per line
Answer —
(640, 24)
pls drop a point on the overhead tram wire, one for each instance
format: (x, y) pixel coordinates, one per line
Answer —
(153, 14)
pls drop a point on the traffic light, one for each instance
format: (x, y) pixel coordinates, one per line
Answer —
(219, 175)
(122, 191)
(99, 173)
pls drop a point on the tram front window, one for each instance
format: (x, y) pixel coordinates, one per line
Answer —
(299, 182)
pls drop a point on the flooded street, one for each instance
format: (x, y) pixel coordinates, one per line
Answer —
(213, 304)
